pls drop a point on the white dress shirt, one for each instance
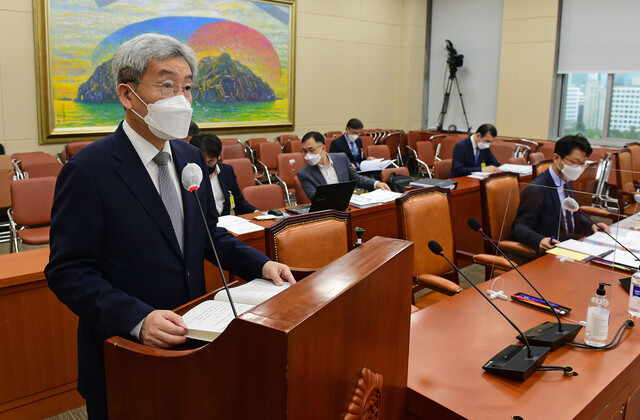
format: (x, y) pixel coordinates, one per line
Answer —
(329, 172)
(218, 194)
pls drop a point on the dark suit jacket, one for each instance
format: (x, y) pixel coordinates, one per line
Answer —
(341, 145)
(310, 176)
(539, 214)
(464, 160)
(229, 184)
(114, 255)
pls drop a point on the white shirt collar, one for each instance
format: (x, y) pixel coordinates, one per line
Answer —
(556, 179)
(145, 149)
(473, 141)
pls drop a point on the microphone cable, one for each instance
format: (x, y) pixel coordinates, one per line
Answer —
(617, 338)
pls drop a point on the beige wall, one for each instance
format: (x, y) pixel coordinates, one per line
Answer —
(354, 58)
(527, 64)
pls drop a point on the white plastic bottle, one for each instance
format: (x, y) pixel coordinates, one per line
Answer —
(598, 313)
(634, 295)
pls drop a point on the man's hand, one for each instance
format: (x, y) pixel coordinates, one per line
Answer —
(382, 186)
(547, 243)
(600, 226)
(277, 273)
(354, 166)
(491, 169)
(163, 329)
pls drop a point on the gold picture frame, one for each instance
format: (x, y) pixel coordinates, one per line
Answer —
(74, 40)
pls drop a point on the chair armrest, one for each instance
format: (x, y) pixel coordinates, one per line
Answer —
(517, 248)
(493, 261)
(597, 211)
(439, 284)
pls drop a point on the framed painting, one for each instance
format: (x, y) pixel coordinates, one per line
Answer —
(245, 51)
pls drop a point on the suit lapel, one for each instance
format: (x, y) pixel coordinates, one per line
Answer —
(136, 177)
(192, 216)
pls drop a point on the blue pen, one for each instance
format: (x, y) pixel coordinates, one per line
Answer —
(551, 241)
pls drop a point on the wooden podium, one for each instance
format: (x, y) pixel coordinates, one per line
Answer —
(297, 356)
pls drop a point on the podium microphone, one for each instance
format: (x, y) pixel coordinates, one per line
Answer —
(514, 362)
(572, 206)
(548, 334)
(191, 179)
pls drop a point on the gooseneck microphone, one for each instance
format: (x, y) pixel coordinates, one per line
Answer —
(548, 334)
(572, 206)
(191, 179)
(514, 362)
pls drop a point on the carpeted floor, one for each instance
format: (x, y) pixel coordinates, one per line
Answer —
(79, 413)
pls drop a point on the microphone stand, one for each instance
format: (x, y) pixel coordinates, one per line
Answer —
(547, 334)
(215, 253)
(514, 362)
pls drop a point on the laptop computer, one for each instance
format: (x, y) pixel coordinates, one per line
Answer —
(329, 196)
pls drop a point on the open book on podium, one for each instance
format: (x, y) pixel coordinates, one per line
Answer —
(310, 352)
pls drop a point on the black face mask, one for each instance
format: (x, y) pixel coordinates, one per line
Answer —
(212, 169)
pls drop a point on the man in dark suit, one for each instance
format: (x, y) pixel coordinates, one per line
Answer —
(350, 144)
(540, 218)
(127, 242)
(226, 193)
(328, 168)
(473, 154)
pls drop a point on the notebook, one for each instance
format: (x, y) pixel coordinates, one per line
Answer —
(329, 196)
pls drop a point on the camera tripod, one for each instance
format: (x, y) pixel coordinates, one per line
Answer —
(447, 94)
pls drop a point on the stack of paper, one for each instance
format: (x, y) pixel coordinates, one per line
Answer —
(238, 225)
(518, 169)
(584, 247)
(479, 175)
(373, 198)
(374, 164)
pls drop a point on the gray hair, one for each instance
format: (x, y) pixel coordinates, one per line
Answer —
(132, 58)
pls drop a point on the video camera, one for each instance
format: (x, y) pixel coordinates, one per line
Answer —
(454, 60)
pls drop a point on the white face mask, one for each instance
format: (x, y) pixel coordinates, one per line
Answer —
(312, 158)
(352, 137)
(168, 118)
(483, 146)
(572, 172)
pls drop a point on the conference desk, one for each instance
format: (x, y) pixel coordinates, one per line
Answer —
(453, 339)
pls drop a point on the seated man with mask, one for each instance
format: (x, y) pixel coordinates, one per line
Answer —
(473, 155)
(350, 144)
(328, 168)
(224, 183)
(540, 217)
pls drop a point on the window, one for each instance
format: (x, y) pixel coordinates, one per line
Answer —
(601, 105)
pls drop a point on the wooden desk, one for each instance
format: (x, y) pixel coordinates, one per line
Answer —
(38, 355)
(451, 340)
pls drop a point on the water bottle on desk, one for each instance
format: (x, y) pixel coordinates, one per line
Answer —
(634, 295)
(597, 329)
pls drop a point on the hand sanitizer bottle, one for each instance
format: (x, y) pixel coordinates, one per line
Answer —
(598, 318)
(634, 295)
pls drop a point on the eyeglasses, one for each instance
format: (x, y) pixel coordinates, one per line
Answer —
(305, 151)
(169, 88)
(577, 165)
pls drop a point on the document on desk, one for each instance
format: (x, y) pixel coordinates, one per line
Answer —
(518, 169)
(209, 319)
(238, 225)
(478, 175)
(627, 237)
(622, 257)
(584, 247)
(382, 196)
(374, 164)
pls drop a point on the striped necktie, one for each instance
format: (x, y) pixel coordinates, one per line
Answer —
(169, 196)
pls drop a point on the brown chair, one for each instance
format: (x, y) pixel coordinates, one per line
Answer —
(333, 134)
(625, 186)
(27, 158)
(535, 157)
(268, 161)
(244, 170)
(6, 178)
(251, 145)
(379, 151)
(499, 199)
(282, 139)
(310, 241)
(264, 197)
(445, 149)
(30, 212)
(547, 149)
(232, 151)
(386, 173)
(634, 149)
(288, 166)
(540, 167)
(393, 142)
(301, 196)
(366, 142)
(230, 141)
(517, 160)
(41, 168)
(293, 146)
(71, 149)
(426, 158)
(503, 150)
(442, 168)
(432, 203)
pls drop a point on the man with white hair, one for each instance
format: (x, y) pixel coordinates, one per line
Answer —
(127, 242)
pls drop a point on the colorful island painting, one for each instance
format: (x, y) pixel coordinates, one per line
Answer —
(243, 50)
